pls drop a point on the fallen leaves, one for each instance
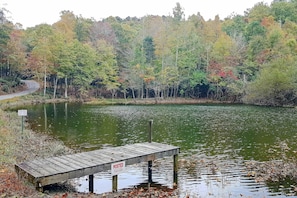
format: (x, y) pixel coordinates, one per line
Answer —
(11, 186)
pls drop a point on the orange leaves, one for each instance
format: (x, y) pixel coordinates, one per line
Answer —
(148, 79)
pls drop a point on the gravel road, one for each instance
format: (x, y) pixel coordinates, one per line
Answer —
(32, 86)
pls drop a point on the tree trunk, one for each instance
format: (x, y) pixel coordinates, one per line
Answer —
(133, 95)
(147, 92)
(66, 87)
(125, 95)
(55, 86)
(44, 85)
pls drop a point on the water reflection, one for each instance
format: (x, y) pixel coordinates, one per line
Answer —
(214, 139)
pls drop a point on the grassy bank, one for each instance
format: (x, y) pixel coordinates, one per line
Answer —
(17, 146)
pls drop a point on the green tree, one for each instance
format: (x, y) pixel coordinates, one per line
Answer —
(5, 30)
(284, 11)
(234, 26)
(149, 50)
(178, 12)
(254, 29)
(257, 13)
(107, 68)
(275, 85)
(82, 29)
(39, 41)
(84, 67)
(63, 56)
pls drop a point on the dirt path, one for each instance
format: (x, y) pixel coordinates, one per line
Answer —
(32, 86)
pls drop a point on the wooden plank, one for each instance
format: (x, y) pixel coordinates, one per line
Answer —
(71, 165)
(44, 165)
(64, 166)
(105, 155)
(29, 169)
(114, 156)
(74, 161)
(80, 160)
(37, 168)
(92, 159)
(157, 147)
(133, 150)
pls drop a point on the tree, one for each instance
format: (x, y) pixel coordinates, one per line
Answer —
(5, 30)
(63, 56)
(234, 26)
(284, 11)
(66, 25)
(178, 12)
(16, 53)
(257, 13)
(254, 29)
(39, 41)
(84, 67)
(149, 50)
(107, 68)
(275, 85)
(102, 30)
(82, 29)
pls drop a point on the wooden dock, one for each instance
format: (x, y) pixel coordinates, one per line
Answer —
(42, 172)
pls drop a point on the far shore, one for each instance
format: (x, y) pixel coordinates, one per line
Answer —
(31, 100)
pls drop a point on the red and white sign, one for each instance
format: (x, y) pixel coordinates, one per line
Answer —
(118, 167)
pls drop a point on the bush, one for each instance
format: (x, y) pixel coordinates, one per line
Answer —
(276, 85)
(7, 83)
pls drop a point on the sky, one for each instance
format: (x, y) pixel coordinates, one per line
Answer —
(33, 12)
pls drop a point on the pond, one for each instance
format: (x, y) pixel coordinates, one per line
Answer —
(215, 142)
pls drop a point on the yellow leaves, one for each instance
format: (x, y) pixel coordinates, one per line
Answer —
(66, 25)
(222, 47)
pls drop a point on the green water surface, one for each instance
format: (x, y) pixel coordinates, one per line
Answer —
(224, 132)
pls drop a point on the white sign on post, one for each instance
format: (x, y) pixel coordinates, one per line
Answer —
(118, 167)
(22, 112)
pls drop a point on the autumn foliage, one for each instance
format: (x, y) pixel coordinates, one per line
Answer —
(155, 56)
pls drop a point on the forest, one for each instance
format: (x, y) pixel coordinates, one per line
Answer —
(250, 58)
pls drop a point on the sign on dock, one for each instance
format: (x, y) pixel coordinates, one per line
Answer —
(117, 168)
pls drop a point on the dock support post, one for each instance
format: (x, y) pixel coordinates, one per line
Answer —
(149, 169)
(150, 136)
(91, 183)
(175, 169)
(150, 162)
(114, 183)
(39, 188)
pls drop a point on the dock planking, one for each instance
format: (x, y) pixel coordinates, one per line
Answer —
(42, 172)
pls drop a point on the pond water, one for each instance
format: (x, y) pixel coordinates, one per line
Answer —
(215, 142)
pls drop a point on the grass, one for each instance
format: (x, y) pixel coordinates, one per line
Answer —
(7, 139)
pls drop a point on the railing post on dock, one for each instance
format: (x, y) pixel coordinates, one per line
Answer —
(150, 162)
(114, 183)
(91, 183)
